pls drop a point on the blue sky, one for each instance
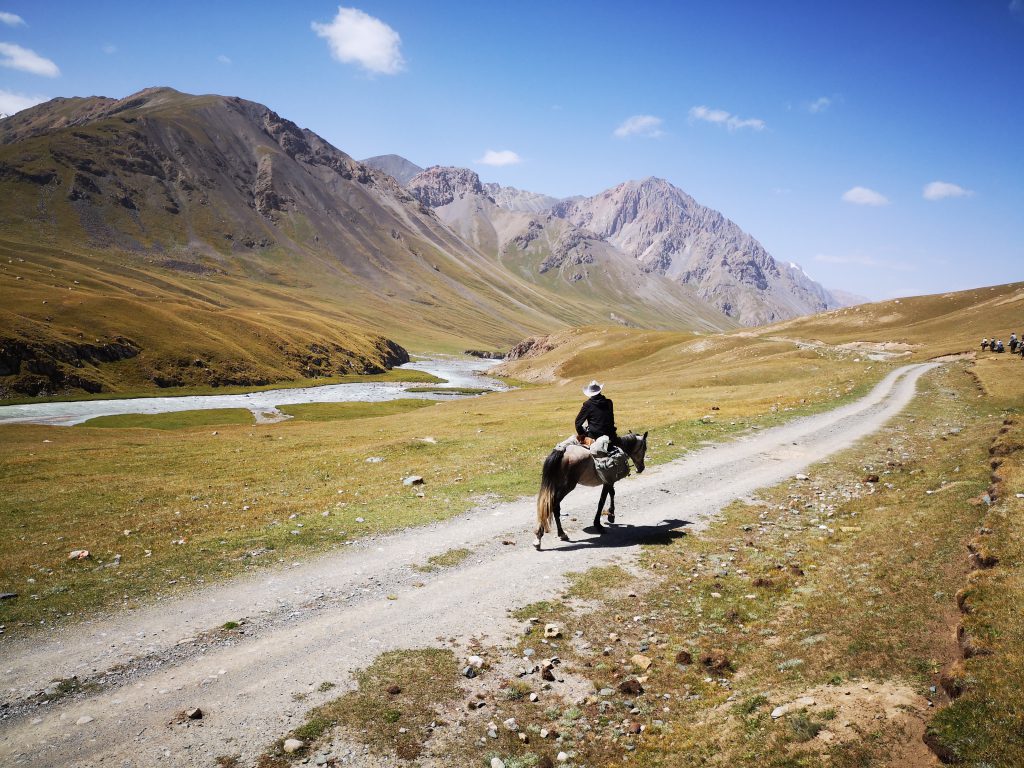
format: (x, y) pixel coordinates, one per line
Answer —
(878, 144)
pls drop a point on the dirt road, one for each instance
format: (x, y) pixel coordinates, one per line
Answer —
(317, 621)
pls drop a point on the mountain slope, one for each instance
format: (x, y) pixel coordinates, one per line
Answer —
(670, 234)
(166, 239)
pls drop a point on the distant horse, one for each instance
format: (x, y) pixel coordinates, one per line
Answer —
(564, 470)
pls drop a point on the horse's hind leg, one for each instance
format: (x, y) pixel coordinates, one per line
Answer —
(558, 518)
(611, 509)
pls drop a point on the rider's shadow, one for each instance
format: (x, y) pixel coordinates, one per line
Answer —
(624, 535)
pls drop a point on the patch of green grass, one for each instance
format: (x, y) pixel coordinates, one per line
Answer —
(448, 559)
(751, 704)
(348, 411)
(450, 390)
(540, 610)
(314, 727)
(390, 723)
(517, 690)
(229, 625)
(596, 582)
(325, 686)
(214, 417)
(803, 727)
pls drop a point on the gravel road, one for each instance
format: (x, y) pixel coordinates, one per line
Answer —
(319, 620)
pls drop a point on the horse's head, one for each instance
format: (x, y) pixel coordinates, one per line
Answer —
(636, 447)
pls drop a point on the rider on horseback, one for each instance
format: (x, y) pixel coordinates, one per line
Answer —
(596, 417)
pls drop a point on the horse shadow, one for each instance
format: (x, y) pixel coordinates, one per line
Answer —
(620, 535)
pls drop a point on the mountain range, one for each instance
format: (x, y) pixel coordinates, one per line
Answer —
(166, 239)
(648, 225)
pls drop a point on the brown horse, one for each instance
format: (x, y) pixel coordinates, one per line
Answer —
(565, 469)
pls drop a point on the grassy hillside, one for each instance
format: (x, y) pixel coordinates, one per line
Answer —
(930, 326)
(918, 328)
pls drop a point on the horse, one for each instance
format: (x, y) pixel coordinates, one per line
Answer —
(565, 469)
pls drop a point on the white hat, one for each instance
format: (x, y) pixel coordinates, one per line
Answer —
(593, 388)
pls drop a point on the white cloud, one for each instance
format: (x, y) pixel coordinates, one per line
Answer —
(355, 37)
(223, 59)
(640, 125)
(864, 196)
(866, 261)
(15, 102)
(110, 49)
(940, 190)
(1017, 6)
(500, 157)
(820, 104)
(721, 117)
(16, 57)
(11, 19)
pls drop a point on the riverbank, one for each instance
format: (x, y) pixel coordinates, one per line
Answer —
(446, 372)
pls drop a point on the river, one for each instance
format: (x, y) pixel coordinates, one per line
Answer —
(459, 372)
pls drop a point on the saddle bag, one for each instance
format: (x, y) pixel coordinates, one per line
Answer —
(610, 462)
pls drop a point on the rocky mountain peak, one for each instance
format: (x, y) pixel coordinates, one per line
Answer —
(440, 185)
(671, 234)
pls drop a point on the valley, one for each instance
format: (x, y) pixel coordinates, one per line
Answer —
(820, 566)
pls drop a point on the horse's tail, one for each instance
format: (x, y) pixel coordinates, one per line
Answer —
(548, 485)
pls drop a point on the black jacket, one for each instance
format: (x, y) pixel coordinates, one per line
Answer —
(599, 415)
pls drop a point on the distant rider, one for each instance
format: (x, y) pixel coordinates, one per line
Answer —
(597, 416)
(1013, 343)
(984, 344)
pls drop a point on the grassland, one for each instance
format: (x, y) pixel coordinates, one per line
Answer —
(234, 497)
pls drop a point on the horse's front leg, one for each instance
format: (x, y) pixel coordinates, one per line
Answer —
(600, 507)
(611, 509)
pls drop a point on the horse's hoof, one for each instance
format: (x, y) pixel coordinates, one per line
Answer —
(611, 518)
(563, 536)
